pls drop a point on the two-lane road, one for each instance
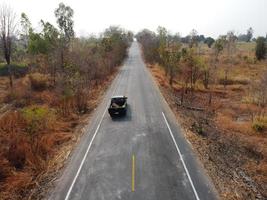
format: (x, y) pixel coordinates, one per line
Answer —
(142, 156)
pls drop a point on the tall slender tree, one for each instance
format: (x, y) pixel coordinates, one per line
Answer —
(64, 15)
(7, 33)
(26, 29)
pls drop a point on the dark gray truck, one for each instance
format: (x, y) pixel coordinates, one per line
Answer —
(118, 106)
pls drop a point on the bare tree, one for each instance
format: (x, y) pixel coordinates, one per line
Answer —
(7, 33)
(231, 49)
(193, 39)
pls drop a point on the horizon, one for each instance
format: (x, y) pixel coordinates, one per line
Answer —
(208, 17)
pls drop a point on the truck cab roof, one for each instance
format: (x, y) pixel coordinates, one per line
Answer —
(118, 97)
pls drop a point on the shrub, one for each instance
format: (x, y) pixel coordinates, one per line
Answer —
(38, 118)
(250, 60)
(11, 96)
(258, 126)
(260, 48)
(19, 70)
(230, 81)
(81, 101)
(20, 97)
(198, 128)
(4, 172)
(16, 153)
(39, 82)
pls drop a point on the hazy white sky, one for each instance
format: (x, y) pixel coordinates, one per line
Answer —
(209, 17)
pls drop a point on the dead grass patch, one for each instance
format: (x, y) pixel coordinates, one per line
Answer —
(233, 154)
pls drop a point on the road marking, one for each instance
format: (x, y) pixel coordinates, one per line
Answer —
(181, 157)
(133, 173)
(89, 146)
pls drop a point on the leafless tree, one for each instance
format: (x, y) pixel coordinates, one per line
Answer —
(7, 33)
(231, 49)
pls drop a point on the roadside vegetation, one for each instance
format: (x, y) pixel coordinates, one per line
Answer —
(218, 90)
(50, 81)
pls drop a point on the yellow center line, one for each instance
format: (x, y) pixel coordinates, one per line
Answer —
(133, 173)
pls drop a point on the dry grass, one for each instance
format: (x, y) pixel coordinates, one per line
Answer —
(234, 154)
(33, 152)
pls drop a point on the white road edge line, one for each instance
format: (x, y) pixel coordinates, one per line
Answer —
(88, 149)
(84, 157)
(181, 157)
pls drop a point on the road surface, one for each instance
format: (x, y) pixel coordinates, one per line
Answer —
(143, 156)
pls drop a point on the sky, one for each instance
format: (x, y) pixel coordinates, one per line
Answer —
(208, 17)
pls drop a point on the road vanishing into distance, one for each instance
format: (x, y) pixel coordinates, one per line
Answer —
(142, 156)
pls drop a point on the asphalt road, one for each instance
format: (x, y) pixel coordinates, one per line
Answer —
(143, 156)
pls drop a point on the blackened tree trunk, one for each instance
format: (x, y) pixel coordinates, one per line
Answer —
(7, 51)
(7, 32)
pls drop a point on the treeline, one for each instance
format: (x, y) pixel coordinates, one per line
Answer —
(54, 78)
(175, 56)
(183, 58)
(57, 52)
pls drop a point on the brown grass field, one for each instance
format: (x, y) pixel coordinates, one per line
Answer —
(221, 133)
(34, 147)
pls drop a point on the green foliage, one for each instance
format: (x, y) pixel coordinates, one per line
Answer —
(198, 128)
(26, 29)
(106, 43)
(25, 22)
(150, 44)
(162, 32)
(260, 48)
(115, 42)
(193, 39)
(38, 118)
(64, 15)
(19, 70)
(171, 57)
(198, 68)
(163, 50)
(218, 46)
(38, 44)
(209, 41)
(44, 42)
(50, 35)
(258, 126)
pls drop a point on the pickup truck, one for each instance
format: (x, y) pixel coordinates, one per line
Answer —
(118, 106)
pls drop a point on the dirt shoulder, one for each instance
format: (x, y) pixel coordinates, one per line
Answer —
(232, 153)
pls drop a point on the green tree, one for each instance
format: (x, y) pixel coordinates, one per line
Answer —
(193, 39)
(174, 56)
(44, 42)
(191, 60)
(249, 34)
(218, 47)
(37, 44)
(64, 15)
(209, 41)
(260, 48)
(26, 27)
(163, 46)
(150, 45)
(50, 34)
